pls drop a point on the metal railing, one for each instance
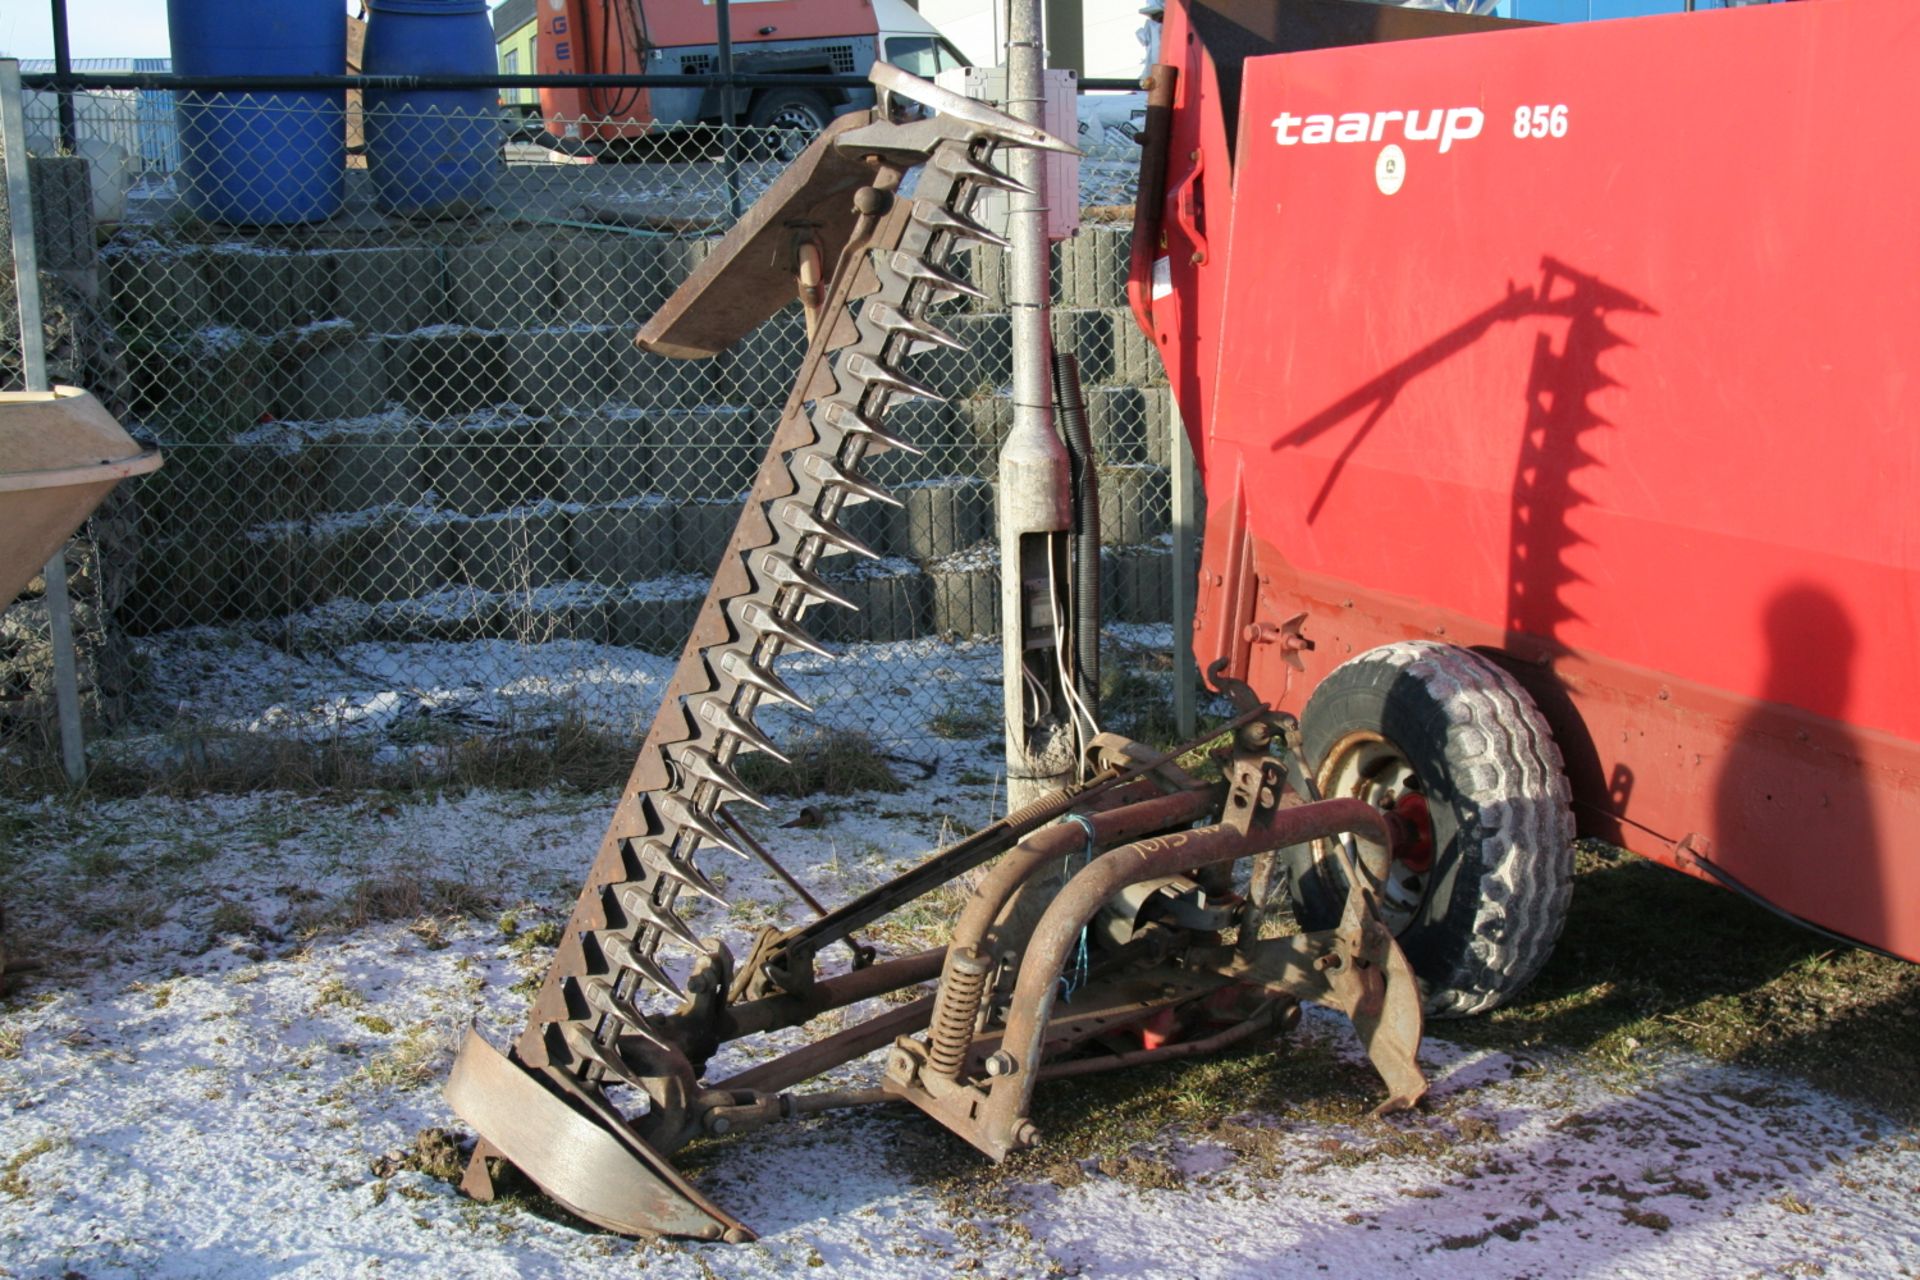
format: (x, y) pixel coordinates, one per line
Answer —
(419, 481)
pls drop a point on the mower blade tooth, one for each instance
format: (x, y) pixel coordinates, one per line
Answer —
(700, 763)
(802, 516)
(677, 811)
(719, 713)
(844, 417)
(682, 872)
(639, 904)
(620, 951)
(876, 373)
(941, 218)
(631, 1019)
(788, 574)
(760, 678)
(894, 320)
(962, 165)
(769, 623)
(915, 267)
(841, 477)
(583, 1045)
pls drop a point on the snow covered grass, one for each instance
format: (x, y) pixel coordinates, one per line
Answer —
(228, 1067)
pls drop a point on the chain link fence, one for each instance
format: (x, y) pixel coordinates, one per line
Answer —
(420, 482)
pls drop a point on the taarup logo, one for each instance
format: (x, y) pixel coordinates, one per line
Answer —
(1451, 125)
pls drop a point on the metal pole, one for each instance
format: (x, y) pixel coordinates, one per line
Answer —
(1035, 504)
(723, 21)
(63, 65)
(1185, 670)
(33, 364)
(730, 142)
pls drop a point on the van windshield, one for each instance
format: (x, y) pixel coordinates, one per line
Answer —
(922, 56)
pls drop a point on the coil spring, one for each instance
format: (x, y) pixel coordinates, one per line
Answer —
(954, 1011)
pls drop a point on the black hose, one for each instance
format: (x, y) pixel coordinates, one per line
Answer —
(1084, 578)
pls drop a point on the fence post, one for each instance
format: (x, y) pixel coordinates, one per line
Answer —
(33, 364)
(1184, 571)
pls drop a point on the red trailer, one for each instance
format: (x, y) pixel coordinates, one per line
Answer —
(1596, 351)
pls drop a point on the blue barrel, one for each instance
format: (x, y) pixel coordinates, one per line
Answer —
(432, 153)
(260, 159)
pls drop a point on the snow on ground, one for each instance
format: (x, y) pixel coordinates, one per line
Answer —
(237, 682)
(212, 1079)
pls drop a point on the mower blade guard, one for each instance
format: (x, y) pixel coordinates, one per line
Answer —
(614, 1180)
(750, 273)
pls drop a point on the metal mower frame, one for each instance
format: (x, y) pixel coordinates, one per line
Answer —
(1045, 973)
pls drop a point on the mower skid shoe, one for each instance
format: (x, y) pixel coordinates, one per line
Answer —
(613, 1180)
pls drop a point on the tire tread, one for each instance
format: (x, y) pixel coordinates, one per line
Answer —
(1497, 744)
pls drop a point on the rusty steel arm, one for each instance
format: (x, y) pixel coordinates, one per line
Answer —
(1005, 1127)
(771, 1013)
(962, 980)
(788, 955)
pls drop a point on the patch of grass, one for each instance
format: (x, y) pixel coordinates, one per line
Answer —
(333, 992)
(231, 918)
(1650, 958)
(962, 720)
(1651, 1219)
(13, 1179)
(836, 762)
(1111, 1117)
(1136, 698)
(926, 920)
(111, 909)
(1147, 1172)
(199, 762)
(12, 1041)
(541, 937)
(568, 752)
(438, 1153)
(401, 896)
(414, 1061)
(432, 932)
(571, 753)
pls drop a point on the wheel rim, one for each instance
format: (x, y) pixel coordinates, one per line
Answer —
(796, 118)
(1367, 766)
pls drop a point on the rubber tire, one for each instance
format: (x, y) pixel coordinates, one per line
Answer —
(1500, 805)
(774, 102)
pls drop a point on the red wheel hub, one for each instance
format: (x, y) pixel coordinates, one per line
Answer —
(1413, 846)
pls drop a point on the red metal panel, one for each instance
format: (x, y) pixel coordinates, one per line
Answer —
(1612, 367)
(681, 22)
(1184, 299)
(582, 37)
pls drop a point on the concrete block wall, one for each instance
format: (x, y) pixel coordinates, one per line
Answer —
(456, 435)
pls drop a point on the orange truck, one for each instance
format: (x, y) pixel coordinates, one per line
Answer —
(681, 38)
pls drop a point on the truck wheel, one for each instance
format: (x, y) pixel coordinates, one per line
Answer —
(1455, 746)
(796, 111)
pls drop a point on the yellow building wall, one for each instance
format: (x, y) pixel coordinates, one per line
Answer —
(515, 52)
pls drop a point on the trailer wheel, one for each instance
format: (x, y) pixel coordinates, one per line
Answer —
(797, 112)
(1455, 746)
